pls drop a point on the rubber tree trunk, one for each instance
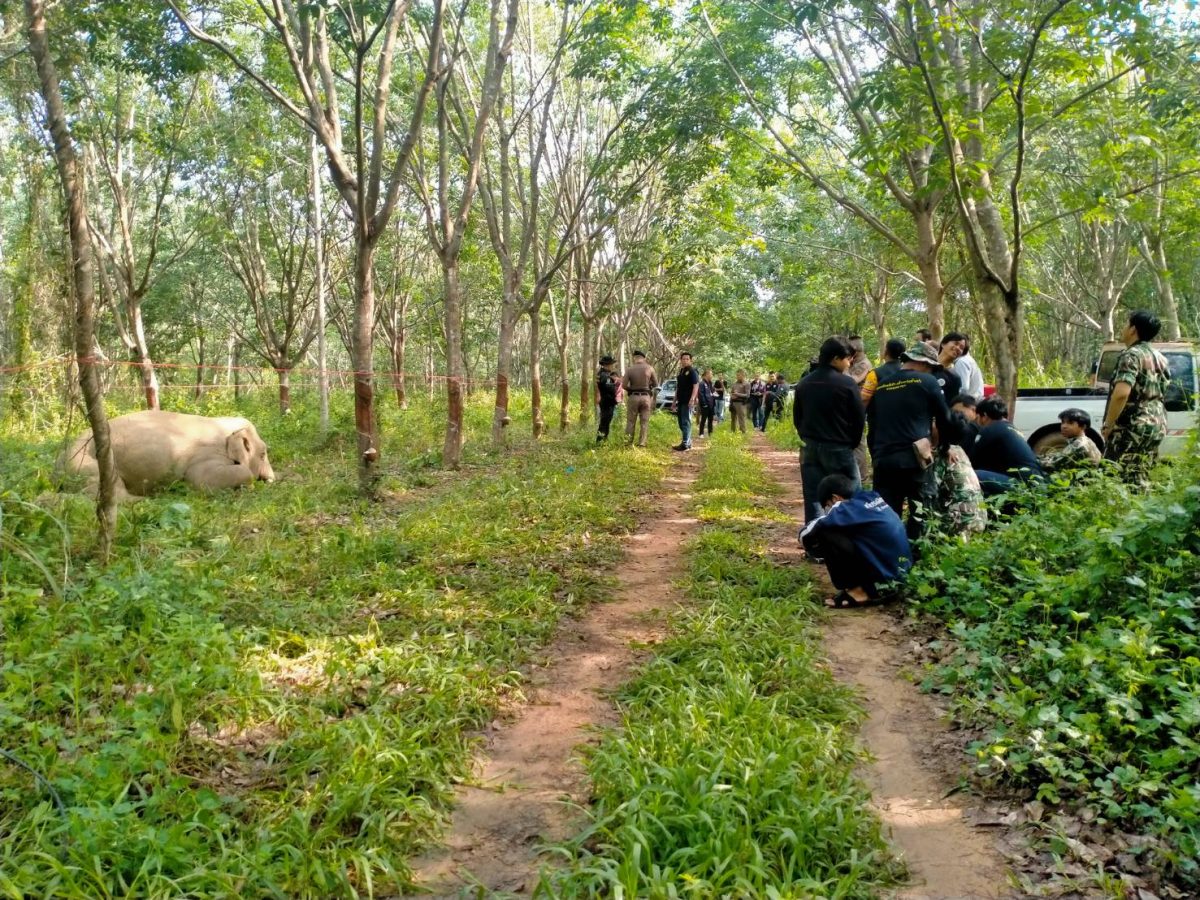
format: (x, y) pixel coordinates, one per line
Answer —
(1003, 319)
(453, 446)
(1157, 257)
(509, 313)
(285, 390)
(535, 372)
(564, 384)
(145, 364)
(931, 273)
(585, 375)
(82, 272)
(399, 352)
(362, 357)
(200, 365)
(318, 227)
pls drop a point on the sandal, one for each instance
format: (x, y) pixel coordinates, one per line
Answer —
(846, 600)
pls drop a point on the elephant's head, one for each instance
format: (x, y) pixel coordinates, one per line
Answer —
(246, 448)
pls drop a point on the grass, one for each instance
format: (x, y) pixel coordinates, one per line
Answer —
(272, 692)
(732, 772)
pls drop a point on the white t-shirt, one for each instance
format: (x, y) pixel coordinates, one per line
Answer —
(971, 376)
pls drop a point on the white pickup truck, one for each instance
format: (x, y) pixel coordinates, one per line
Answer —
(1038, 408)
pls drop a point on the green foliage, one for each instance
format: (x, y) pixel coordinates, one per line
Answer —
(732, 774)
(1076, 650)
(271, 692)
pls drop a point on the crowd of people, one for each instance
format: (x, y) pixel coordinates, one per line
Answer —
(937, 445)
(700, 399)
(936, 451)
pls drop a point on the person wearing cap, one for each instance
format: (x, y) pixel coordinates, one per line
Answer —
(900, 423)
(687, 390)
(639, 382)
(827, 413)
(607, 384)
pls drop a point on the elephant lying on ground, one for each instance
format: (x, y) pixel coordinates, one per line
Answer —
(153, 449)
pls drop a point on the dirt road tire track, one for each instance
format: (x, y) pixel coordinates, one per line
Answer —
(530, 782)
(924, 818)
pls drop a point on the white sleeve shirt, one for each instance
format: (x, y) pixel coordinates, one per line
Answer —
(970, 374)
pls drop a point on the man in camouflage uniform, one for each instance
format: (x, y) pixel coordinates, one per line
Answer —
(1080, 451)
(958, 508)
(1135, 421)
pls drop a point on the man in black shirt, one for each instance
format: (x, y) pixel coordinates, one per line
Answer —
(947, 378)
(687, 388)
(900, 419)
(1000, 454)
(606, 395)
(828, 415)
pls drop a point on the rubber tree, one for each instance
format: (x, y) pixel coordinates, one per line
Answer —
(356, 54)
(466, 97)
(844, 119)
(82, 267)
(268, 244)
(137, 137)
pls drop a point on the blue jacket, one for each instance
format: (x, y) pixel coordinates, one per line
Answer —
(875, 529)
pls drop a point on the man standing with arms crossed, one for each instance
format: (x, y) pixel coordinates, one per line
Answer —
(687, 387)
(640, 383)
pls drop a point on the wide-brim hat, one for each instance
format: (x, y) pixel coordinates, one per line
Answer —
(920, 353)
(607, 360)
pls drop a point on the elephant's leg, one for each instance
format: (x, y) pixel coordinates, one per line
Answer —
(216, 474)
(120, 492)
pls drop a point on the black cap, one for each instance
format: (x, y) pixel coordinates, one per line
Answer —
(606, 360)
(641, 353)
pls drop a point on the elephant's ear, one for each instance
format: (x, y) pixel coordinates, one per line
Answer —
(237, 447)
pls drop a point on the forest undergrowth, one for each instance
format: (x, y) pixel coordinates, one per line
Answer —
(732, 772)
(1072, 648)
(272, 692)
(1066, 638)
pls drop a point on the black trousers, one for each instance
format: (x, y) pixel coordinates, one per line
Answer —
(897, 485)
(706, 418)
(842, 558)
(606, 417)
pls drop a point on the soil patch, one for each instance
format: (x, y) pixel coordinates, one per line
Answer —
(530, 784)
(916, 765)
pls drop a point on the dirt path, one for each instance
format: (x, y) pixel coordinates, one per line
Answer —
(529, 774)
(910, 775)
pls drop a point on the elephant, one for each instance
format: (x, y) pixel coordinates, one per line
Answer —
(153, 449)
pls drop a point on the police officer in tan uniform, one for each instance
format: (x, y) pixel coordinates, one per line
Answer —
(640, 384)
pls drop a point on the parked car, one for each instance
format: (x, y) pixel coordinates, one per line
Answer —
(1038, 408)
(666, 395)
